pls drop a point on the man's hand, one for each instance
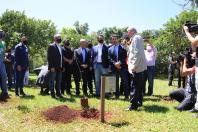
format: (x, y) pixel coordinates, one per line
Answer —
(84, 66)
(19, 68)
(186, 29)
(117, 65)
(7, 60)
(52, 69)
(70, 61)
(133, 69)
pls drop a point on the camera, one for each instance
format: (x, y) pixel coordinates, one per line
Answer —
(191, 26)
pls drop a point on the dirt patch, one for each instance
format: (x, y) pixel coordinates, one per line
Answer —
(90, 113)
(60, 114)
(167, 98)
(64, 114)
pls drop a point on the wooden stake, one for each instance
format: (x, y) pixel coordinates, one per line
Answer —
(102, 99)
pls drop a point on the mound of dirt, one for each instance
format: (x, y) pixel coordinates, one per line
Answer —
(60, 114)
(90, 113)
(64, 114)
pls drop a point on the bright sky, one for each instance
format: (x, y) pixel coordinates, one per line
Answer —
(142, 14)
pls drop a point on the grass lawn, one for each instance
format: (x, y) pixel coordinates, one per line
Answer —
(24, 114)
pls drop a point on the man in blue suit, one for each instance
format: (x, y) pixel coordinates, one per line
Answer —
(83, 56)
(117, 55)
(21, 65)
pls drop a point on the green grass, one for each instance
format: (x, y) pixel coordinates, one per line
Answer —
(24, 114)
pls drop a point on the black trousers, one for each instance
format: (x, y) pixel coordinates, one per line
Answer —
(183, 80)
(85, 74)
(90, 80)
(170, 76)
(66, 79)
(186, 99)
(136, 93)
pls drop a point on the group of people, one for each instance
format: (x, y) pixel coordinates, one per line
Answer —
(13, 66)
(127, 60)
(187, 95)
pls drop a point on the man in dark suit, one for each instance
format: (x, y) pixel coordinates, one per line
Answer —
(117, 55)
(71, 68)
(100, 63)
(55, 66)
(83, 56)
(21, 65)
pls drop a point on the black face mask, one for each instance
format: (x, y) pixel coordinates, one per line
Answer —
(25, 42)
(59, 40)
(101, 41)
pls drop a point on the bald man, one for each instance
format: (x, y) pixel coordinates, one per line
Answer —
(83, 56)
(136, 68)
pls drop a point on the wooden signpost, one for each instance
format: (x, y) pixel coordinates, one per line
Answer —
(108, 84)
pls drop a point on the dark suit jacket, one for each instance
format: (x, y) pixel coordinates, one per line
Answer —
(105, 58)
(54, 58)
(21, 56)
(79, 57)
(122, 54)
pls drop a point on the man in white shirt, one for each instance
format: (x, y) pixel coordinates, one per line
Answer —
(151, 55)
(136, 67)
(100, 63)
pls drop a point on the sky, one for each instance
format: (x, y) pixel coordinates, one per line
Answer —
(141, 14)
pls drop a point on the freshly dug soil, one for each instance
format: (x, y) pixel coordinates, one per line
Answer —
(64, 114)
(60, 114)
(90, 113)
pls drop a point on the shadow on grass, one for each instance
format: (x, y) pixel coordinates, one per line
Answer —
(65, 99)
(23, 108)
(155, 109)
(152, 99)
(118, 124)
(28, 97)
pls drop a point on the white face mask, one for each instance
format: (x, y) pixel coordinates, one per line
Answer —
(149, 48)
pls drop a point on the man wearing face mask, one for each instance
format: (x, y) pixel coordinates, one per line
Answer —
(151, 55)
(100, 63)
(21, 65)
(4, 94)
(55, 66)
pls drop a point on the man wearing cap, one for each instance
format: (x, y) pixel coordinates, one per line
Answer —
(101, 62)
(4, 94)
(136, 67)
(55, 66)
(83, 57)
(21, 65)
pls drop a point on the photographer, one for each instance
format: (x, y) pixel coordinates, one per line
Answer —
(190, 32)
(186, 96)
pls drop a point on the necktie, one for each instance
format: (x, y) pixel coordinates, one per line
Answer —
(84, 54)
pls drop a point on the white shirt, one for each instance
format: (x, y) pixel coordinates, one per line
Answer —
(99, 55)
(151, 54)
(60, 51)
